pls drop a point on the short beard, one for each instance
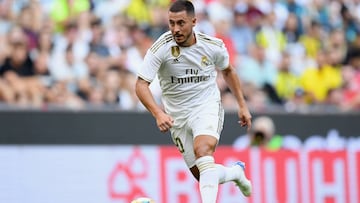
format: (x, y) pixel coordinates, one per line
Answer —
(186, 40)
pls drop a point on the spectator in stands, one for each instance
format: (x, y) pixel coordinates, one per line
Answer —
(254, 16)
(292, 29)
(286, 82)
(64, 12)
(14, 89)
(135, 53)
(326, 76)
(4, 48)
(259, 71)
(42, 54)
(298, 9)
(256, 68)
(7, 94)
(334, 100)
(118, 38)
(319, 12)
(271, 38)
(350, 26)
(353, 53)
(96, 65)
(336, 46)
(107, 10)
(71, 35)
(67, 63)
(262, 134)
(312, 39)
(220, 10)
(240, 32)
(257, 99)
(66, 68)
(334, 15)
(111, 81)
(127, 96)
(298, 103)
(18, 60)
(6, 16)
(203, 23)
(222, 31)
(139, 12)
(293, 32)
(20, 71)
(29, 19)
(97, 43)
(58, 95)
(350, 99)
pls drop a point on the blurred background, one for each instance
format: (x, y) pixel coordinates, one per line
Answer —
(73, 130)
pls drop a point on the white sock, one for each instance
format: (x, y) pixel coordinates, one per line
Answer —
(226, 174)
(209, 180)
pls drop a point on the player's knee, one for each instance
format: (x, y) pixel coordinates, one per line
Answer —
(204, 150)
(204, 146)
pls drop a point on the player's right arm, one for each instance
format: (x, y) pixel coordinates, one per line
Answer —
(146, 74)
(163, 120)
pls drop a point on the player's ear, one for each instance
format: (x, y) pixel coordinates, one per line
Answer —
(194, 21)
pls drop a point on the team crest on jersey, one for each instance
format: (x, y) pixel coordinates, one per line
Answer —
(175, 51)
(205, 61)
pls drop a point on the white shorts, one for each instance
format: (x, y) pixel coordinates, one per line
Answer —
(206, 120)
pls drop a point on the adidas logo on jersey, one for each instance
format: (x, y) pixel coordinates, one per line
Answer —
(175, 60)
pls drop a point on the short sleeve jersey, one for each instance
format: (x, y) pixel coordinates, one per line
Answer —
(187, 75)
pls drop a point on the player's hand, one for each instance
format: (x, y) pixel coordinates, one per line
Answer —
(245, 118)
(164, 122)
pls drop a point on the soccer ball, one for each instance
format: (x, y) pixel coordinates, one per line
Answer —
(143, 200)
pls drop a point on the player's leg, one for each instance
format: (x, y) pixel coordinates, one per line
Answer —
(206, 127)
(204, 146)
(224, 174)
(209, 173)
(236, 174)
(184, 140)
(206, 124)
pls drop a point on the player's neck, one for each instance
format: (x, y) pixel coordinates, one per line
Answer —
(191, 41)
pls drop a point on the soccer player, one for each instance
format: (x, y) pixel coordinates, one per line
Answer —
(186, 63)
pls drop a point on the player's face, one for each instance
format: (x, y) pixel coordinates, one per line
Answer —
(181, 26)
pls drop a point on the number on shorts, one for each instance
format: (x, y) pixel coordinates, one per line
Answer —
(179, 145)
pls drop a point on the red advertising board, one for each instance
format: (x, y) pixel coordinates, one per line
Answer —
(110, 174)
(284, 176)
(328, 176)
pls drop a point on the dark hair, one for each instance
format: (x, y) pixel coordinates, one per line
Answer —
(183, 5)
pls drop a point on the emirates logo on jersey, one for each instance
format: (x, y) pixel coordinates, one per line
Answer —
(175, 51)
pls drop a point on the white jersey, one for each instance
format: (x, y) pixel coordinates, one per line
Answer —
(187, 75)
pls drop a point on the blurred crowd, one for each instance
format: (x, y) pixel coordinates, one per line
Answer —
(291, 55)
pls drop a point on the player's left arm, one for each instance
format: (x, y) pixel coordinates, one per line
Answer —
(232, 80)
